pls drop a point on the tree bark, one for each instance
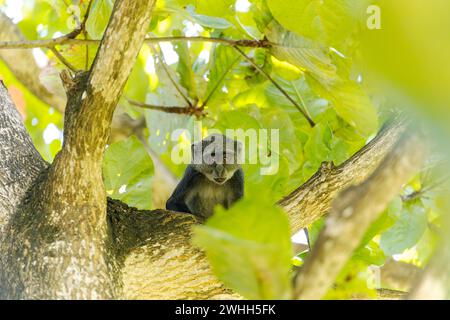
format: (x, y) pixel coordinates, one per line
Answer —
(151, 253)
(59, 236)
(313, 199)
(20, 162)
(57, 243)
(352, 213)
(188, 266)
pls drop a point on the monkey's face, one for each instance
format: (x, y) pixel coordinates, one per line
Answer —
(220, 167)
(219, 158)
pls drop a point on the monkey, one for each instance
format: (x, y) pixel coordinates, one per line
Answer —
(213, 177)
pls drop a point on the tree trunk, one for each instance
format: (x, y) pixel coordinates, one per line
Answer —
(60, 238)
(56, 242)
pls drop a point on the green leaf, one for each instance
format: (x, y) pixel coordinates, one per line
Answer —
(301, 52)
(127, 172)
(207, 21)
(329, 21)
(161, 125)
(98, 18)
(138, 82)
(406, 232)
(352, 282)
(221, 64)
(249, 249)
(350, 102)
(218, 8)
(185, 67)
(385, 221)
(370, 254)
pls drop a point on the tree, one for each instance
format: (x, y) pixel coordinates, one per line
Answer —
(61, 236)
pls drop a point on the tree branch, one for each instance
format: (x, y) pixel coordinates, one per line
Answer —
(20, 163)
(352, 213)
(313, 199)
(222, 77)
(63, 60)
(254, 64)
(158, 260)
(62, 222)
(191, 268)
(160, 55)
(23, 65)
(70, 40)
(189, 110)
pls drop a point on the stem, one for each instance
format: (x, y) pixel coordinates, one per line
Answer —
(219, 82)
(69, 39)
(63, 60)
(190, 110)
(310, 121)
(172, 80)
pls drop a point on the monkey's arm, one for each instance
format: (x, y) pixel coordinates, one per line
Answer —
(176, 201)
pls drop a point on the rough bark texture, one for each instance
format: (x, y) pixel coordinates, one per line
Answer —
(57, 242)
(20, 163)
(352, 213)
(59, 236)
(313, 199)
(150, 251)
(157, 258)
(188, 274)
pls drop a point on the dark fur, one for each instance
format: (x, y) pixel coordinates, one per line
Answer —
(198, 194)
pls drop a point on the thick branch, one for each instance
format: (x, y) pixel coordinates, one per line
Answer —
(20, 163)
(313, 199)
(188, 268)
(59, 245)
(352, 213)
(157, 258)
(88, 130)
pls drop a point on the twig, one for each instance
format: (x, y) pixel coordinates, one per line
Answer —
(310, 121)
(172, 80)
(69, 39)
(63, 60)
(83, 26)
(419, 193)
(219, 82)
(86, 16)
(190, 110)
(74, 33)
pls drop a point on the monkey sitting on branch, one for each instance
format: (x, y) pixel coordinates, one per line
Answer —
(213, 177)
